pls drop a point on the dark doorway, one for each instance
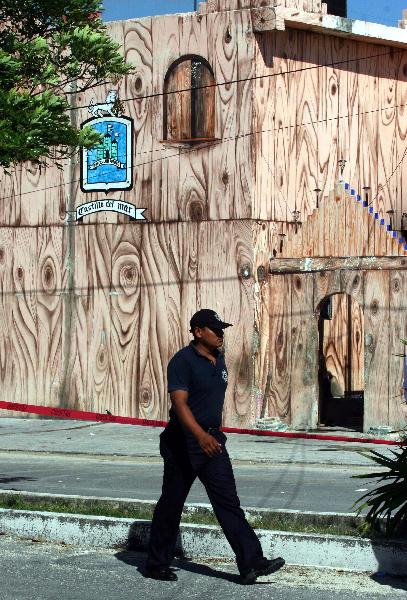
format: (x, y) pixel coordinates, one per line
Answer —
(341, 363)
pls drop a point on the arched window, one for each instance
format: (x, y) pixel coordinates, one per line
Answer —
(189, 115)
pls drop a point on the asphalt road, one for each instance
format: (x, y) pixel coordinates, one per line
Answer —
(299, 487)
(39, 571)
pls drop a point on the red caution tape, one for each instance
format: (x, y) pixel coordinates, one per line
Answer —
(67, 413)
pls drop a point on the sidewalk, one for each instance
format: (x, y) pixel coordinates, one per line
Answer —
(72, 437)
(110, 440)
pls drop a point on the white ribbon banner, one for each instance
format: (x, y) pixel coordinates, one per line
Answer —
(117, 206)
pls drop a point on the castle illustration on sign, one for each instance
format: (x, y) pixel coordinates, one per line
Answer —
(108, 166)
(107, 151)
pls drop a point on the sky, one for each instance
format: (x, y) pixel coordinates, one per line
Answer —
(387, 12)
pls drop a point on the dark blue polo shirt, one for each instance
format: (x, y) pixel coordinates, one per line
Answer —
(205, 383)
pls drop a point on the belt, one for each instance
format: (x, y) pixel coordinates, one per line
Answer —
(213, 429)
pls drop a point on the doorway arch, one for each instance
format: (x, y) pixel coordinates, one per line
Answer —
(341, 362)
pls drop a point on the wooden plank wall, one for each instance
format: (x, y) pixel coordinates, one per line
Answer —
(90, 318)
(341, 226)
(328, 98)
(316, 99)
(377, 325)
(209, 6)
(135, 288)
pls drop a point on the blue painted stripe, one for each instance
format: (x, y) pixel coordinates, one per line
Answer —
(365, 203)
(381, 221)
(376, 216)
(352, 192)
(347, 186)
(358, 198)
(394, 234)
(371, 210)
(388, 227)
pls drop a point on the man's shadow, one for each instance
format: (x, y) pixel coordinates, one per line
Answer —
(135, 555)
(137, 559)
(6, 479)
(398, 583)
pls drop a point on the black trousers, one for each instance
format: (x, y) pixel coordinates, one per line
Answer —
(182, 464)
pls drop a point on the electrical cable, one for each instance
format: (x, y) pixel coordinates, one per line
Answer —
(388, 179)
(246, 79)
(211, 144)
(225, 140)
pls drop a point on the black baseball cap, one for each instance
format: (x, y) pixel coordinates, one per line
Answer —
(207, 318)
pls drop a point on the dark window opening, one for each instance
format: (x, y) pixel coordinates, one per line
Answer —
(189, 101)
(337, 7)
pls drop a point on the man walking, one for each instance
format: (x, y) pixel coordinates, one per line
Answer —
(192, 445)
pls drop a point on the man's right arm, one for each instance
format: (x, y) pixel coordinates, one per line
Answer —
(179, 400)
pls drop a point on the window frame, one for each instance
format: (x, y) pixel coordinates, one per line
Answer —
(193, 102)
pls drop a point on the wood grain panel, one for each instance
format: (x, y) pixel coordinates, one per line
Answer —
(325, 284)
(49, 289)
(349, 120)
(336, 342)
(220, 286)
(264, 110)
(223, 56)
(165, 172)
(24, 315)
(307, 117)
(397, 332)
(10, 200)
(75, 335)
(153, 323)
(33, 205)
(285, 124)
(357, 346)
(304, 354)
(280, 347)
(368, 120)
(245, 144)
(351, 283)
(182, 242)
(7, 379)
(55, 183)
(138, 47)
(263, 235)
(125, 319)
(328, 111)
(340, 232)
(401, 134)
(343, 346)
(192, 201)
(343, 51)
(387, 68)
(376, 347)
(99, 376)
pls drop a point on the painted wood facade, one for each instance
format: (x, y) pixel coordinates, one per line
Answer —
(91, 312)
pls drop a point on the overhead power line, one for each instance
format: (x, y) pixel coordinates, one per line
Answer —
(333, 64)
(211, 144)
(243, 135)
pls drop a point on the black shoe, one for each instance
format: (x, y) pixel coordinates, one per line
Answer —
(266, 567)
(161, 573)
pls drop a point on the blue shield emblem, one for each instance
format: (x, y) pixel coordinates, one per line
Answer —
(108, 166)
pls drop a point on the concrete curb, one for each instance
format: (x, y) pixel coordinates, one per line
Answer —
(258, 517)
(208, 541)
